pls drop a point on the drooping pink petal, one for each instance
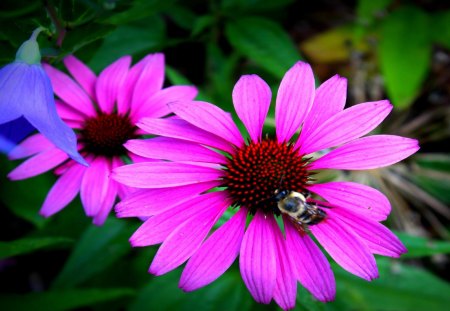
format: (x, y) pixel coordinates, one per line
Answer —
(329, 99)
(188, 236)
(209, 118)
(110, 81)
(174, 150)
(63, 191)
(257, 259)
(82, 74)
(368, 153)
(107, 203)
(149, 202)
(215, 255)
(251, 99)
(379, 239)
(346, 248)
(94, 185)
(156, 105)
(346, 126)
(38, 164)
(163, 174)
(150, 80)
(311, 266)
(69, 91)
(30, 146)
(355, 197)
(181, 129)
(294, 99)
(285, 290)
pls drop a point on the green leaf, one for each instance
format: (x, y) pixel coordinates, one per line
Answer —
(438, 162)
(253, 5)
(441, 26)
(62, 300)
(97, 249)
(226, 293)
(17, 196)
(405, 51)
(28, 245)
(367, 10)
(138, 39)
(420, 246)
(399, 287)
(263, 42)
(437, 187)
(83, 35)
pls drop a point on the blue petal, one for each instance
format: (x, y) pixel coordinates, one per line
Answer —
(12, 80)
(39, 109)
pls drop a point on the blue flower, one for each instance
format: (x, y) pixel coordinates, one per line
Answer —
(26, 90)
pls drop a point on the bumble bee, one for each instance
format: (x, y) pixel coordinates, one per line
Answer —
(294, 205)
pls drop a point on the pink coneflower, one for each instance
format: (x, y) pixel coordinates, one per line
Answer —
(210, 168)
(103, 110)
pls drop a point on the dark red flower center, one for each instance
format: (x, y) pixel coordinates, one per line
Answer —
(105, 134)
(256, 171)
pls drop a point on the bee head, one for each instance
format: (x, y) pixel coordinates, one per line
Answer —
(280, 195)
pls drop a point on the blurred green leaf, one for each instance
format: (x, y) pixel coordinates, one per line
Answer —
(176, 78)
(439, 162)
(139, 9)
(437, 187)
(96, 250)
(182, 16)
(24, 197)
(226, 293)
(420, 246)
(28, 245)
(62, 300)
(399, 287)
(367, 10)
(441, 26)
(83, 35)
(263, 42)
(405, 52)
(138, 39)
(253, 5)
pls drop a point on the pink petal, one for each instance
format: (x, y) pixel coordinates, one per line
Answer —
(379, 239)
(181, 129)
(31, 146)
(355, 197)
(107, 203)
(311, 266)
(346, 248)
(368, 153)
(286, 283)
(346, 126)
(187, 237)
(157, 228)
(82, 74)
(122, 190)
(294, 99)
(38, 164)
(258, 258)
(209, 118)
(251, 98)
(215, 255)
(329, 99)
(163, 174)
(110, 81)
(149, 202)
(69, 91)
(94, 185)
(156, 105)
(67, 113)
(63, 191)
(174, 150)
(150, 80)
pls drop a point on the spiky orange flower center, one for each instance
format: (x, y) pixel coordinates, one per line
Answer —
(256, 171)
(105, 134)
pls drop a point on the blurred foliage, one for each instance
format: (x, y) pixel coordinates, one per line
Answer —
(388, 49)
